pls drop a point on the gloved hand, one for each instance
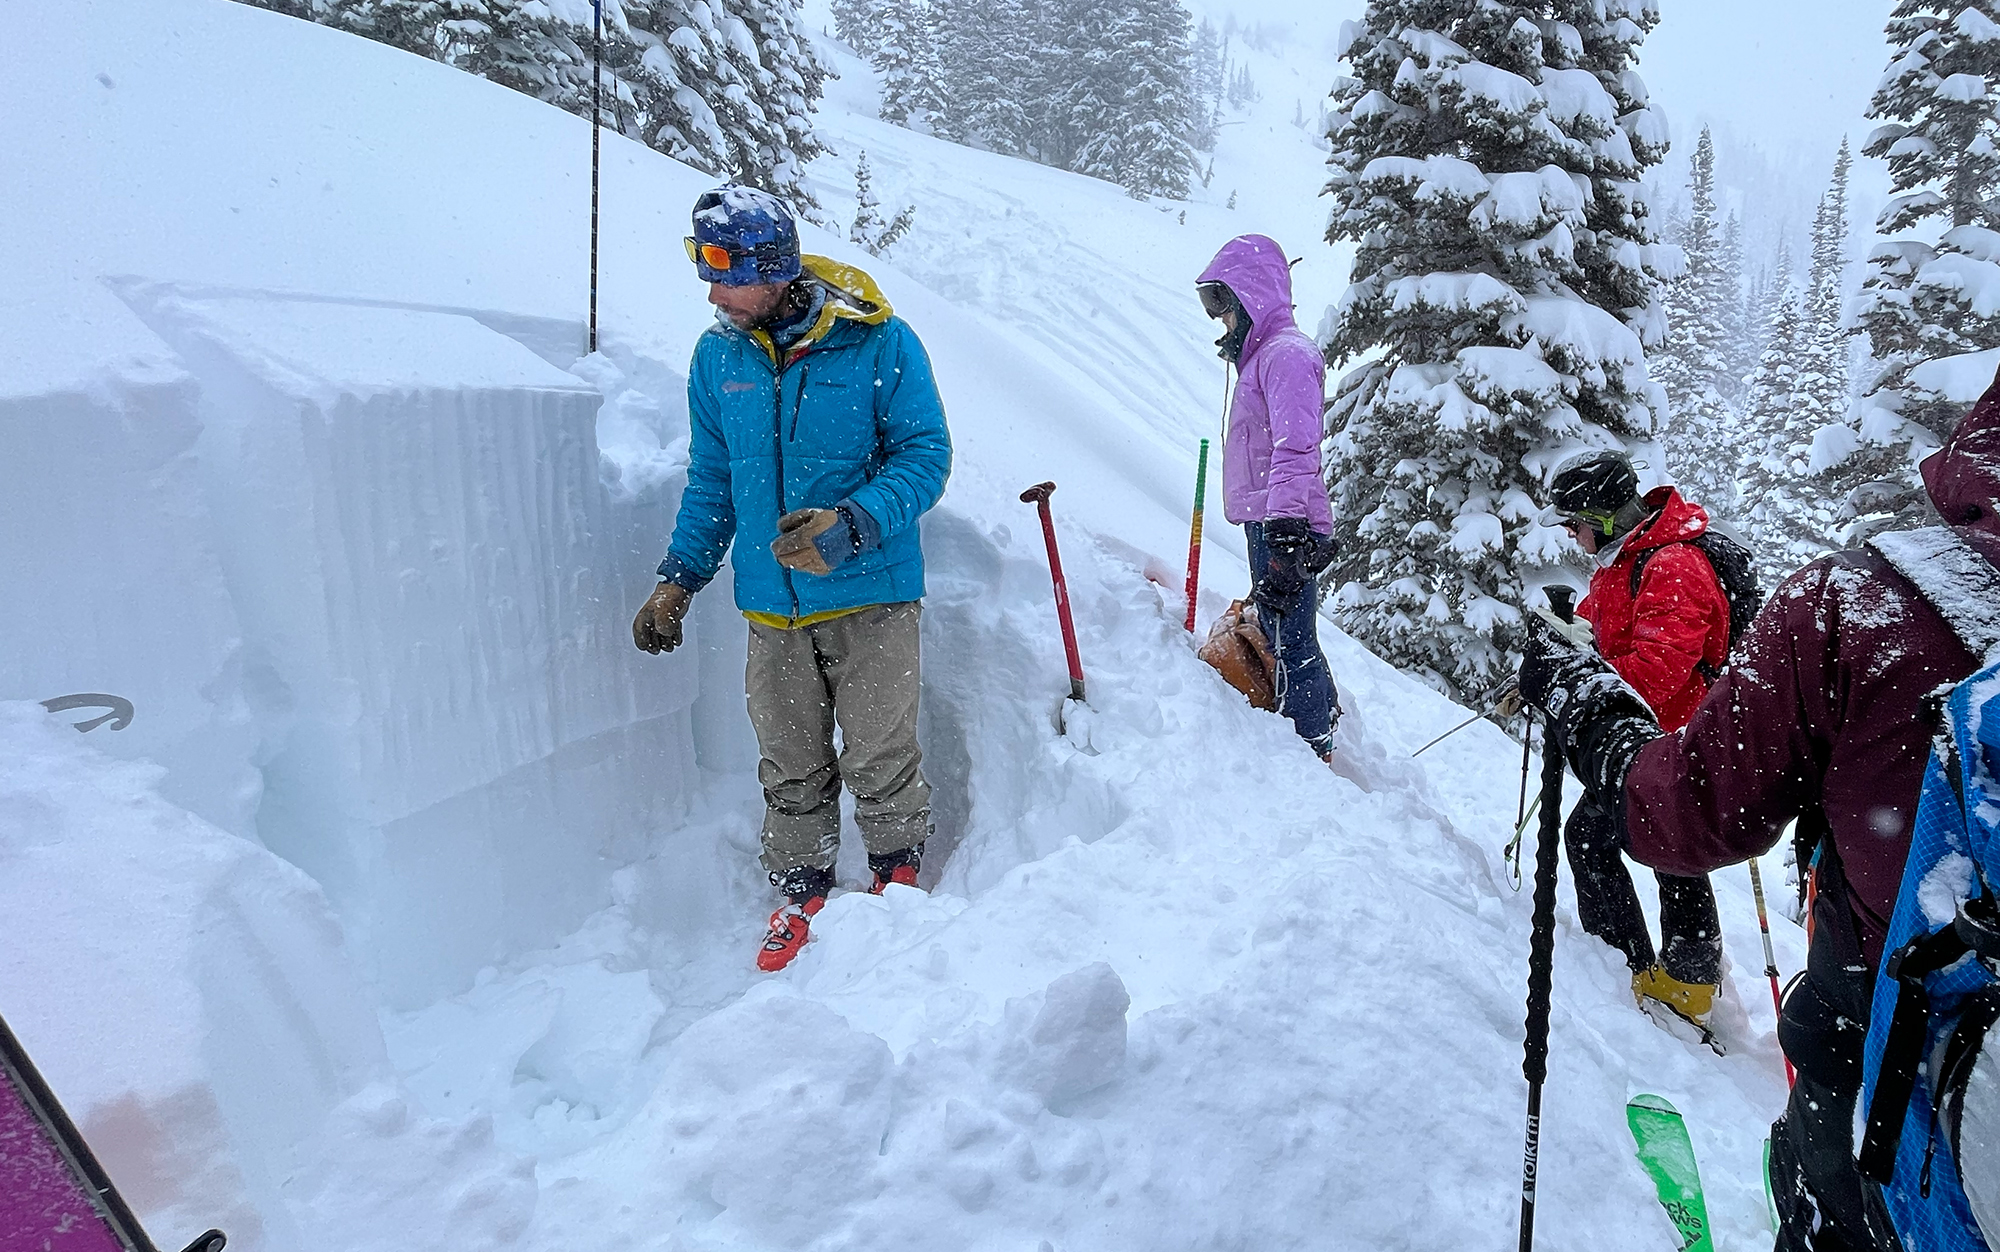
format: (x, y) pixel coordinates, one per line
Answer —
(657, 628)
(813, 541)
(1577, 631)
(1598, 719)
(1289, 540)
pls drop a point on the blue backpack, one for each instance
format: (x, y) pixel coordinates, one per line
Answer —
(1931, 1071)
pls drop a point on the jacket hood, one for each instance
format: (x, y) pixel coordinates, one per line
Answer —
(1963, 477)
(852, 296)
(1254, 267)
(1679, 519)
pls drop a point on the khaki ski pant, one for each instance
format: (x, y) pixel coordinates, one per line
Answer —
(861, 671)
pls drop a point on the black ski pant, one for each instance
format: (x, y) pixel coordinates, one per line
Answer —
(1824, 1205)
(1608, 905)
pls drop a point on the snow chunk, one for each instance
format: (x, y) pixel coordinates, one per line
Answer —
(1475, 531)
(1526, 200)
(1576, 94)
(1977, 242)
(1977, 282)
(1508, 92)
(1831, 445)
(1960, 379)
(1579, 338)
(1945, 887)
(1454, 293)
(1075, 1042)
(1962, 88)
(1976, 26)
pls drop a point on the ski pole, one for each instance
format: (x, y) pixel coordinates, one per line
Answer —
(1194, 535)
(596, 146)
(1770, 958)
(1542, 946)
(1039, 496)
(1506, 689)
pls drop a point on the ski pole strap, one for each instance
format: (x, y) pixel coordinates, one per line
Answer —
(1903, 1051)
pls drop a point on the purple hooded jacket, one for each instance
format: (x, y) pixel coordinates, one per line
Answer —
(1819, 716)
(1270, 453)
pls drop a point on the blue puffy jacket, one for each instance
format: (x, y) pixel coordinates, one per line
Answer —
(852, 416)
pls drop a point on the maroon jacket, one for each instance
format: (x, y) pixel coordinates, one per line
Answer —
(1818, 718)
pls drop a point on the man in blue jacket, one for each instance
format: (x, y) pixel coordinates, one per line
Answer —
(817, 439)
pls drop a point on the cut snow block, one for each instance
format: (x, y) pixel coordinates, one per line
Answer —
(112, 583)
(463, 742)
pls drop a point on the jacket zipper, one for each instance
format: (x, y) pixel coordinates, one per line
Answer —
(778, 437)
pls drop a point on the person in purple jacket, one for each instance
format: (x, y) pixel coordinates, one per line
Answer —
(1271, 468)
(1821, 719)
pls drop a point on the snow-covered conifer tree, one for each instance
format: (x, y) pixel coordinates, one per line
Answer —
(1693, 365)
(1740, 333)
(986, 55)
(1206, 85)
(1154, 155)
(1937, 295)
(907, 56)
(854, 21)
(1486, 159)
(1775, 454)
(1822, 388)
(868, 228)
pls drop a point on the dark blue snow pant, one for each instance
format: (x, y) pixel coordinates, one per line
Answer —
(1291, 624)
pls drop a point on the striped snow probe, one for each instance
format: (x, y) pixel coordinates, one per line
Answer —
(1770, 958)
(1194, 534)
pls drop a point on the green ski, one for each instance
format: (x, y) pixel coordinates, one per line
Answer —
(1668, 1155)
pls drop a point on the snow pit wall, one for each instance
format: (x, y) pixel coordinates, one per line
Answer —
(384, 612)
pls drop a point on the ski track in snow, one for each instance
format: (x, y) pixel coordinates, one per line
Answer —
(1176, 987)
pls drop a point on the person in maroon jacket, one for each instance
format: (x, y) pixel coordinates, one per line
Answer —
(1821, 720)
(1657, 613)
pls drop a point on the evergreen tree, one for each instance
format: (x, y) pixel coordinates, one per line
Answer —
(1924, 301)
(1206, 86)
(854, 21)
(1693, 365)
(1822, 388)
(1740, 347)
(868, 229)
(907, 56)
(988, 67)
(1486, 161)
(1152, 154)
(1787, 525)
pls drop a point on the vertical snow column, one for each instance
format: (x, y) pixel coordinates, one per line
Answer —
(465, 743)
(111, 583)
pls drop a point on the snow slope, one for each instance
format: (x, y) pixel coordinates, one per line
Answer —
(294, 348)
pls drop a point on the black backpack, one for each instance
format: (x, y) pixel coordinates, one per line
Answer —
(1733, 569)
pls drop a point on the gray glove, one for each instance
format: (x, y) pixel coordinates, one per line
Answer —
(657, 628)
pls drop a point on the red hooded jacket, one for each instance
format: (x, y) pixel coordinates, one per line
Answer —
(1658, 640)
(1819, 716)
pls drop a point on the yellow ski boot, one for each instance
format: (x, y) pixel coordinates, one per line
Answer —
(1690, 1001)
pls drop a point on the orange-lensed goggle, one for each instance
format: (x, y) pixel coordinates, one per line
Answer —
(713, 255)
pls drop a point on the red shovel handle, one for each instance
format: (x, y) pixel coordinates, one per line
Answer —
(1038, 495)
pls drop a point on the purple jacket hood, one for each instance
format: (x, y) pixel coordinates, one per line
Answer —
(1270, 451)
(1254, 267)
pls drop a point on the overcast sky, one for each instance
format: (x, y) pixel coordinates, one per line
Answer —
(1791, 73)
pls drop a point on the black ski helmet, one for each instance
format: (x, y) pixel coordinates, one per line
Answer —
(1595, 488)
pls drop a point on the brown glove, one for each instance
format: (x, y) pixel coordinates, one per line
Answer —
(797, 530)
(658, 627)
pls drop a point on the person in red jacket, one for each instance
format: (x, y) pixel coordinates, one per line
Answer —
(1821, 720)
(1658, 615)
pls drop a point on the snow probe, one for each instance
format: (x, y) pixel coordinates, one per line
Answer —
(1194, 534)
(596, 145)
(1039, 496)
(56, 1195)
(1770, 958)
(1542, 944)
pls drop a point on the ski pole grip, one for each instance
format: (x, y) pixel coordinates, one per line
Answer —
(1562, 600)
(1038, 494)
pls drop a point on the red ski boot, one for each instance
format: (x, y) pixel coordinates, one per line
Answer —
(805, 889)
(897, 867)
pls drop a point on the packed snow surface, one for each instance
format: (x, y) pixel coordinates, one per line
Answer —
(416, 909)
